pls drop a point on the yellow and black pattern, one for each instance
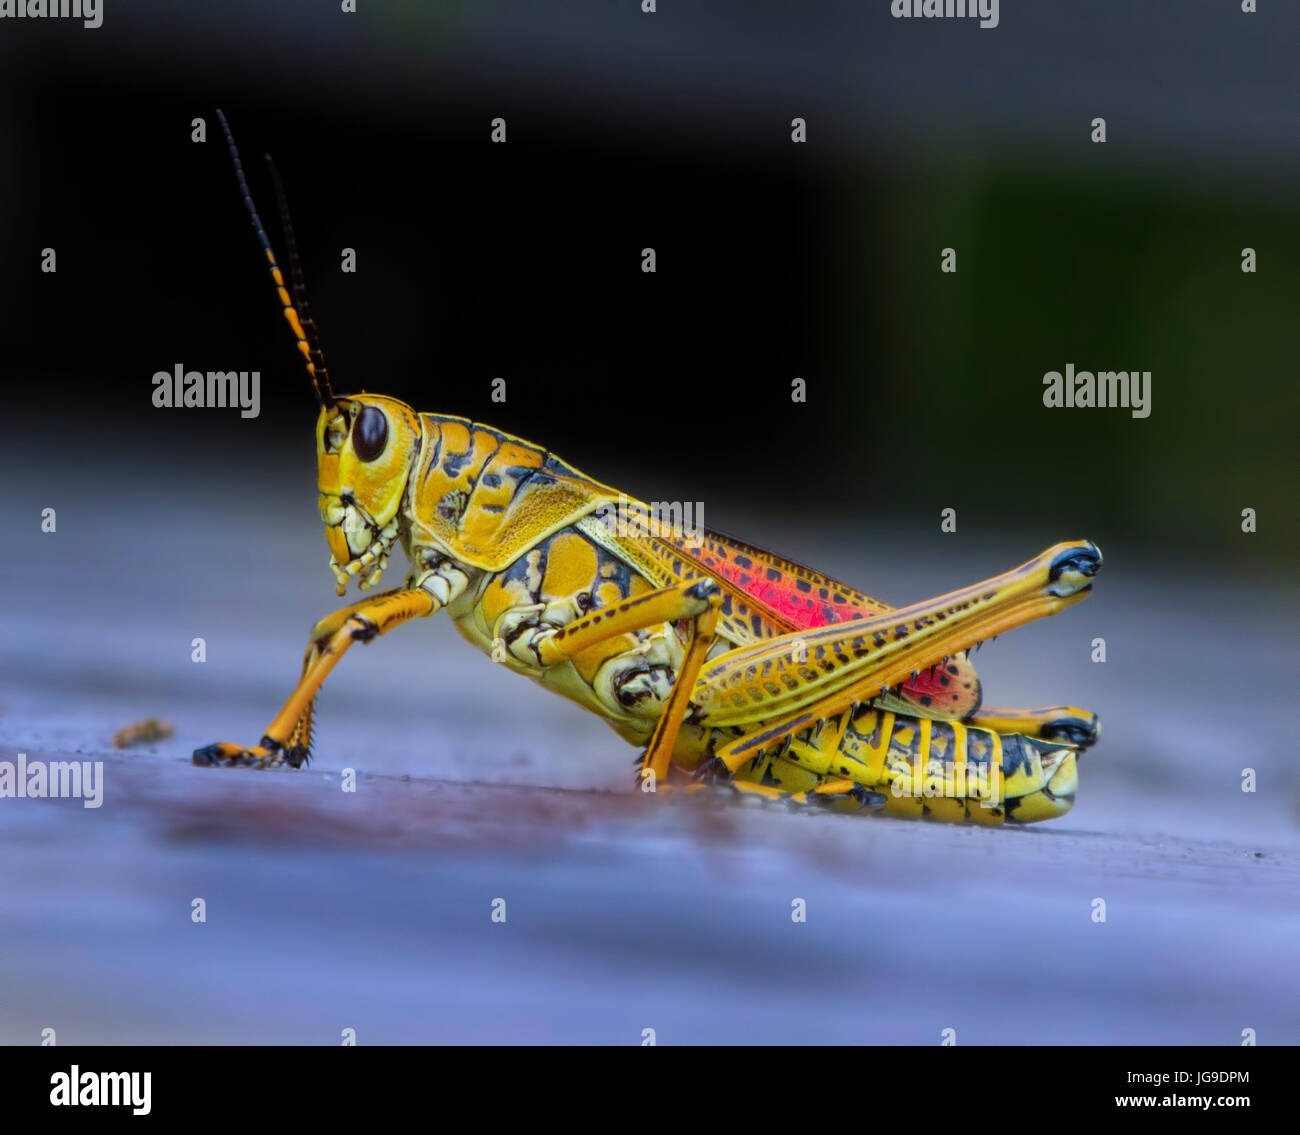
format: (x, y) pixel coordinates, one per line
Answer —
(920, 768)
(518, 548)
(487, 497)
(298, 318)
(766, 595)
(716, 656)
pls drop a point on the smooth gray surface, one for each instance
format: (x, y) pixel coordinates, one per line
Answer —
(371, 911)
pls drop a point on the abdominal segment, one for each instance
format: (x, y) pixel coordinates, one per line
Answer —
(934, 769)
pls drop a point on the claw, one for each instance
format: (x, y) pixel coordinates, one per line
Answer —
(226, 755)
(863, 797)
(712, 770)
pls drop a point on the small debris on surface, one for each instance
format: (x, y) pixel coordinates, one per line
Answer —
(142, 733)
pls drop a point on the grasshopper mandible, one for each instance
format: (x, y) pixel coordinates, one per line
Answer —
(735, 666)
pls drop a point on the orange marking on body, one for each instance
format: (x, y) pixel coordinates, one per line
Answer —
(588, 662)
(571, 566)
(499, 596)
(607, 594)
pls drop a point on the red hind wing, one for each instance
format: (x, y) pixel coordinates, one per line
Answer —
(780, 596)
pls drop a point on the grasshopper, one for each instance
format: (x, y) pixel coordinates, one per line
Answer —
(733, 666)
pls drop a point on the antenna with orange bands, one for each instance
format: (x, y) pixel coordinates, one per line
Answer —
(303, 328)
(298, 284)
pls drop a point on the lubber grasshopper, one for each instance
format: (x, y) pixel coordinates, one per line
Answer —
(730, 664)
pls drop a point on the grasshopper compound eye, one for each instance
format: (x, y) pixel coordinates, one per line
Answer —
(370, 434)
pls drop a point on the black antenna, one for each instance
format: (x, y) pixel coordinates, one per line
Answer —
(299, 285)
(308, 348)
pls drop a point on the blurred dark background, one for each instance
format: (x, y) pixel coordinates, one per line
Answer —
(775, 260)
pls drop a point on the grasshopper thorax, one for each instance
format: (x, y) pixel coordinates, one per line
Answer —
(366, 447)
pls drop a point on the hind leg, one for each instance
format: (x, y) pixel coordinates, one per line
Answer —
(873, 760)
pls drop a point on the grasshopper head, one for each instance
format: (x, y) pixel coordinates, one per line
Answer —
(365, 448)
(365, 444)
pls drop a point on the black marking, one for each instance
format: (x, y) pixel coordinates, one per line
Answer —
(433, 458)
(453, 463)
(757, 740)
(366, 631)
